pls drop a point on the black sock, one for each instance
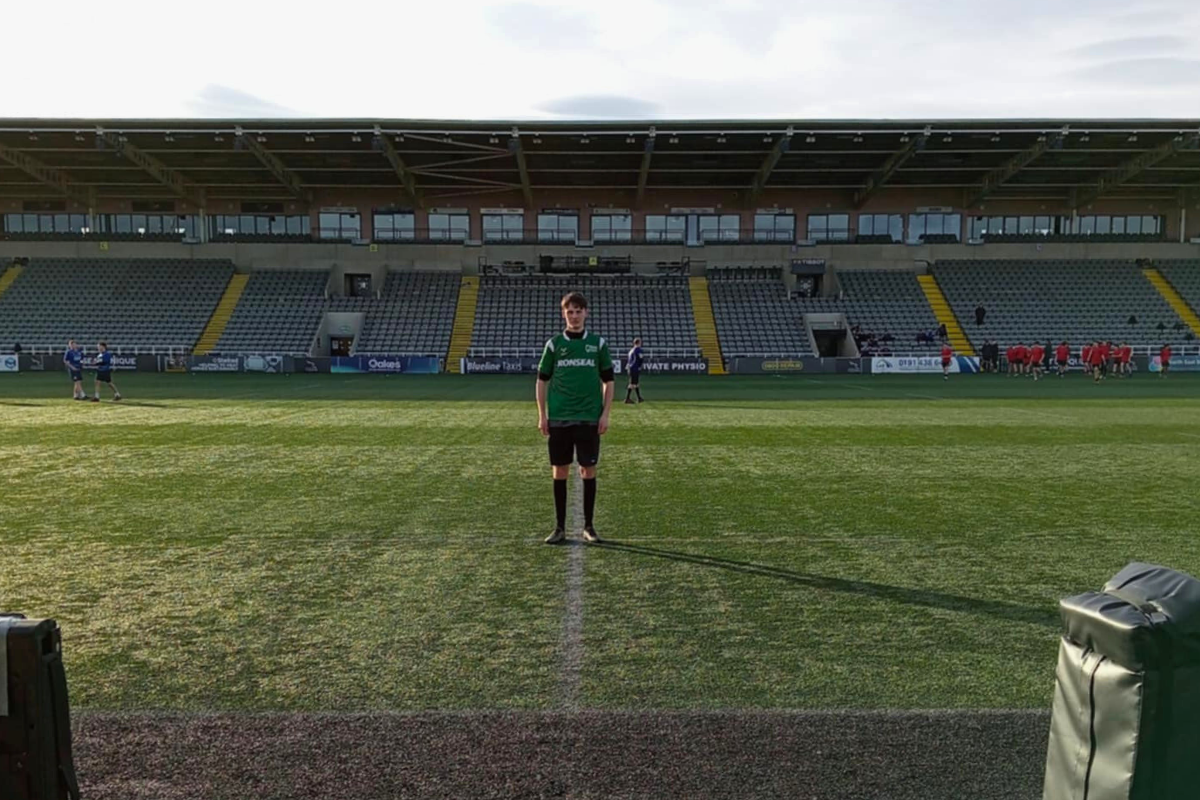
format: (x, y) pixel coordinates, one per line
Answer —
(589, 500)
(639, 392)
(560, 502)
(627, 393)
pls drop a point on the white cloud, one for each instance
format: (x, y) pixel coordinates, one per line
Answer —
(674, 58)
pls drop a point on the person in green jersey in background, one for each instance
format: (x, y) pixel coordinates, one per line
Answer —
(574, 396)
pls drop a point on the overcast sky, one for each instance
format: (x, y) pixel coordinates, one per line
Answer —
(476, 59)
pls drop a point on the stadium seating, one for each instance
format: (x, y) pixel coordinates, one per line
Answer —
(889, 307)
(521, 314)
(1077, 301)
(754, 315)
(132, 304)
(279, 312)
(1184, 275)
(414, 314)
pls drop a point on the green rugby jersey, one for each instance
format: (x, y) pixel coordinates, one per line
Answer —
(574, 367)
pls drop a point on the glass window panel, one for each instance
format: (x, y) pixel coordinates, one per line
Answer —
(123, 223)
(292, 226)
(1025, 224)
(839, 226)
(13, 223)
(1087, 225)
(350, 226)
(1133, 225)
(278, 226)
(1118, 225)
(60, 223)
(1103, 224)
(817, 226)
(916, 227)
(154, 224)
(1150, 224)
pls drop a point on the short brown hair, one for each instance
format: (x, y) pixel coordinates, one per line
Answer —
(102, 344)
(574, 299)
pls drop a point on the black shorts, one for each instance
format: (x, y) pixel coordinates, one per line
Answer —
(76, 374)
(104, 377)
(1062, 362)
(574, 443)
(633, 375)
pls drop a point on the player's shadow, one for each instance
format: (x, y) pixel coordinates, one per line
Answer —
(1034, 615)
(22, 405)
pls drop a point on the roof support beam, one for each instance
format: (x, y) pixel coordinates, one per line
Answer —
(384, 145)
(514, 146)
(156, 169)
(876, 181)
(276, 167)
(644, 169)
(48, 175)
(768, 165)
(1135, 166)
(1001, 174)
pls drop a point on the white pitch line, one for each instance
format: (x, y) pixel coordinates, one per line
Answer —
(572, 638)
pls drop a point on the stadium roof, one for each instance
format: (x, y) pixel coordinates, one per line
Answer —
(427, 161)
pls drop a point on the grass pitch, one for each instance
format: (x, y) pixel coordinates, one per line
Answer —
(350, 542)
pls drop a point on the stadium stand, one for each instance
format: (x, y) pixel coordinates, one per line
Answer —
(280, 312)
(887, 308)
(414, 314)
(1184, 275)
(135, 305)
(520, 314)
(1056, 299)
(754, 314)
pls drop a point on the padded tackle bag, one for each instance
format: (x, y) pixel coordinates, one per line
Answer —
(35, 724)
(1126, 718)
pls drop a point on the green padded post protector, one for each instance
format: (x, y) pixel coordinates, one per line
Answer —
(1126, 718)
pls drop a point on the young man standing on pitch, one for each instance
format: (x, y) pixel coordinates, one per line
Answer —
(574, 396)
(104, 372)
(1062, 354)
(1036, 353)
(634, 366)
(73, 358)
(947, 354)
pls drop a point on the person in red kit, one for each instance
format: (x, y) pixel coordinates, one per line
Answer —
(1106, 349)
(1022, 355)
(1164, 360)
(947, 354)
(1036, 353)
(1085, 356)
(1124, 360)
(1062, 354)
(1010, 355)
(1096, 362)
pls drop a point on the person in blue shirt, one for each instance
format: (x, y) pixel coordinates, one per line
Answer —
(634, 367)
(104, 365)
(73, 359)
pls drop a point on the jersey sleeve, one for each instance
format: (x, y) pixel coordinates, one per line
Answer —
(546, 365)
(604, 361)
